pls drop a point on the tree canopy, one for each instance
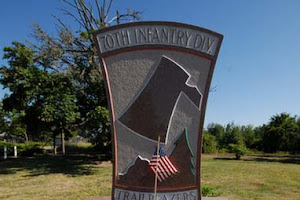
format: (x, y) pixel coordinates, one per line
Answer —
(281, 133)
(55, 82)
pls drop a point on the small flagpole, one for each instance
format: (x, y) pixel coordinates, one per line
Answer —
(157, 154)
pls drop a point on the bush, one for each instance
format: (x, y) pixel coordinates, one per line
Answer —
(209, 191)
(9, 147)
(238, 149)
(29, 149)
(24, 149)
(209, 143)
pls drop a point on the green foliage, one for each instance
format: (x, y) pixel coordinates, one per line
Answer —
(3, 120)
(238, 150)
(30, 148)
(281, 134)
(248, 135)
(216, 130)
(16, 125)
(209, 143)
(232, 135)
(41, 102)
(97, 129)
(59, 104)
(23, 149)
(56, 84)
(209, 191)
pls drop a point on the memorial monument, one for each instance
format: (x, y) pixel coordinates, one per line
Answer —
(157, 78)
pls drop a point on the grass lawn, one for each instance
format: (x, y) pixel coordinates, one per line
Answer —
(253, 177)
(77, 176)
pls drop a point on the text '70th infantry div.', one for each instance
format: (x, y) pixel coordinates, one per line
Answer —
(186, 38)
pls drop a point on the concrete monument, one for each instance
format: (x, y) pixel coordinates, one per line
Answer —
(157, 78)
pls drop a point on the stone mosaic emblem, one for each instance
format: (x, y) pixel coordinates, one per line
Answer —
(158, 76)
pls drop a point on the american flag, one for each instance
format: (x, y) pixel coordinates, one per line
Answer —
(162, 163)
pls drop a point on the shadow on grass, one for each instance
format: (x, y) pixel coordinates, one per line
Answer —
(262, 158)
(71, 165)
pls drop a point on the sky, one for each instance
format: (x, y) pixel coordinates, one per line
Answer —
(257, 74)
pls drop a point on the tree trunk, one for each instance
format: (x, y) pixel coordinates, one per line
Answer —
(54, 145)
(63, 149)
(26, 137)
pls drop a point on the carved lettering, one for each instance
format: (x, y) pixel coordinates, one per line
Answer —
(149, 35)
(188, 37)
(117, 36)
(141, 196)
(158, 35)
(102, 41)
(198, 41)
(173, 197)
(165, 36)
(185, 196)
(179, 197)
(204, 44)
(125, 37)
(172, 33)
(136, 36)
(109, 41)
(210, 45)
(133, 197)
(126, 196)
(142, 35)
(155, 37)
(192, 195)
(180, 37)
(119, 196)
(151, 196)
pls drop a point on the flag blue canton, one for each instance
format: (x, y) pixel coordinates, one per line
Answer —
(162, 165)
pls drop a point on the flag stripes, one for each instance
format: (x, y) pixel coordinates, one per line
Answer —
(162, 164)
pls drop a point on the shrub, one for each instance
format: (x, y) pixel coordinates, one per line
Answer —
(209, 143)
(24, 149)
(238, 149)
(30, 148)
(9, 147)
(209, 191)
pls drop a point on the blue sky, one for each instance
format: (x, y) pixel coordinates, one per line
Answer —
(258, 70)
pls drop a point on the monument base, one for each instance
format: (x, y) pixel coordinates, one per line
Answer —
(109, 198)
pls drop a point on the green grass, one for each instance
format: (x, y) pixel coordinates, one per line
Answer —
(253, 177)
(49, 177)
(80, 175)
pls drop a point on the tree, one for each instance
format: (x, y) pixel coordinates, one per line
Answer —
(41, 101)
(16, 126)
(4, 124)
(296, 142)
(238, 149)
(97, 129)
(232, 135)
(209, 144)
(280, 133)
(74, 52)
(217, 131)
(21, 78)
(249, 138)
(59, 106)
